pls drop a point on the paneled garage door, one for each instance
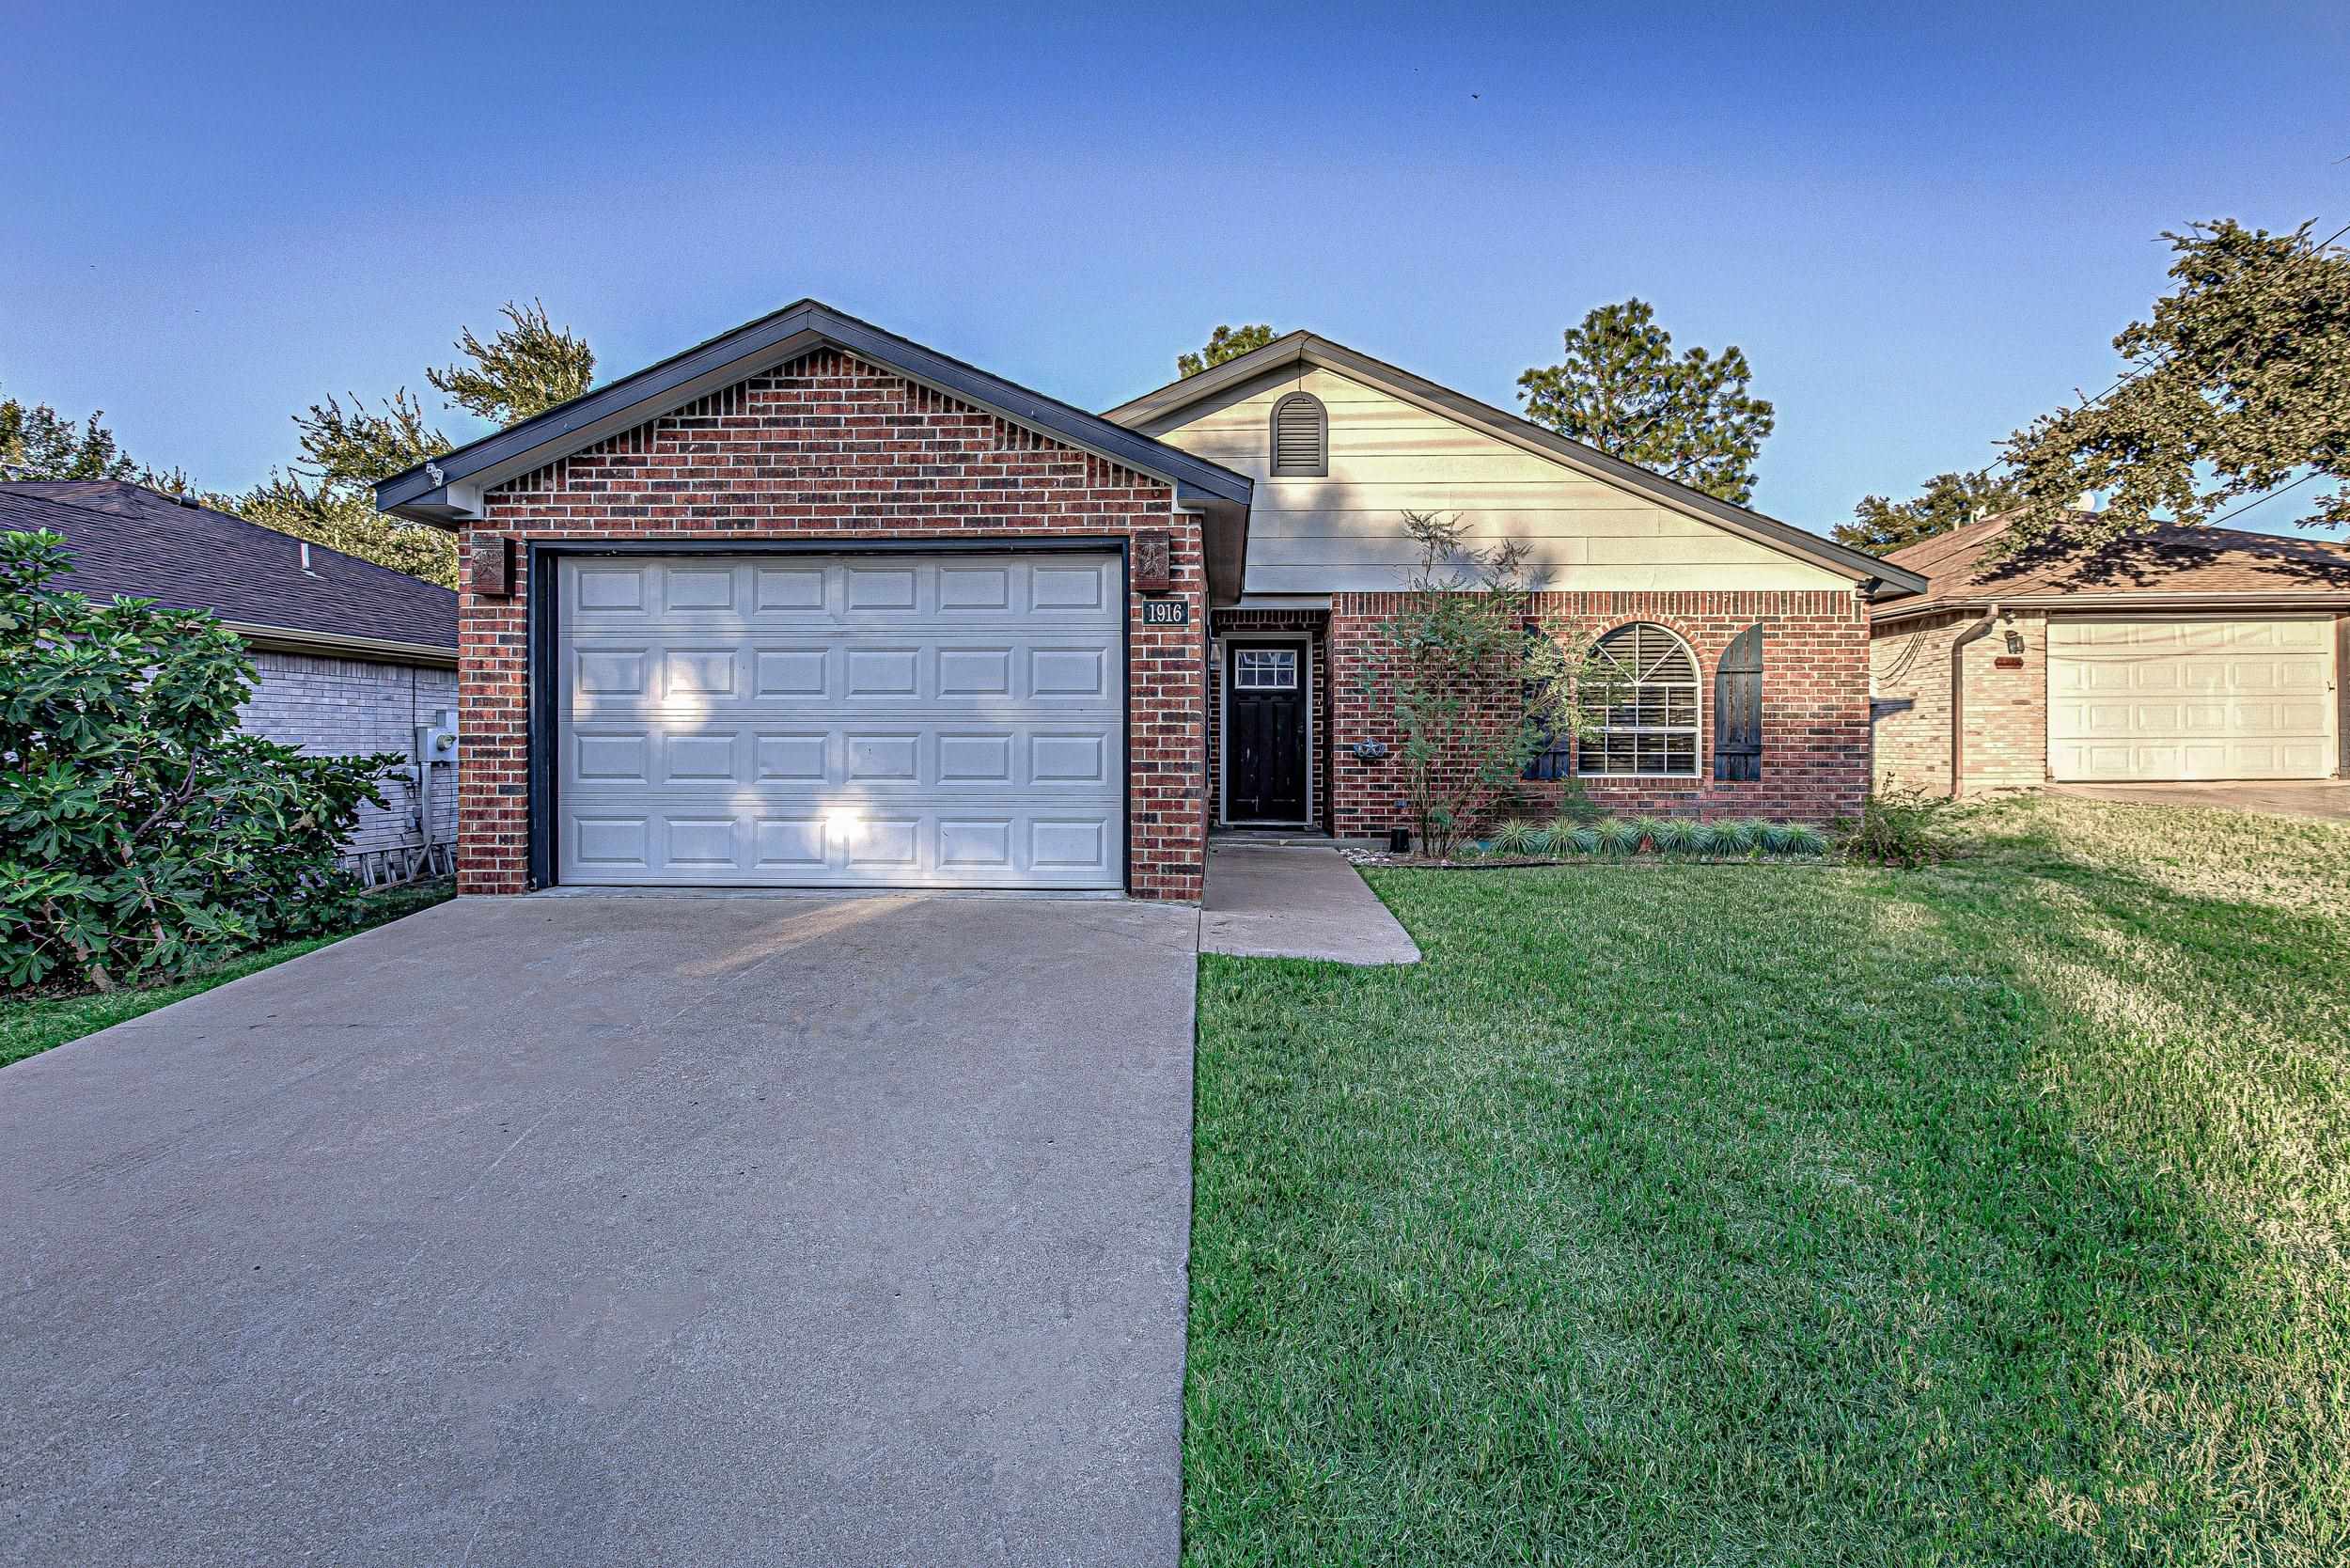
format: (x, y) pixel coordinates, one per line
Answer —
(865, 720)
(2189, 699)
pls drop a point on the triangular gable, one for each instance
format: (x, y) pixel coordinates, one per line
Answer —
(447, 489)
(1165, 407)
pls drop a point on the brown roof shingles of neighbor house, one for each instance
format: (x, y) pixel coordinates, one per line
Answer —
(2164, 567)
(134, 542)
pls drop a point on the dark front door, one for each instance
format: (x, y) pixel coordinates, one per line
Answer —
(1264, 732)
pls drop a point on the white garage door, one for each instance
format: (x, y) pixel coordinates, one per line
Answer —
(874, 720)
(2183, 698)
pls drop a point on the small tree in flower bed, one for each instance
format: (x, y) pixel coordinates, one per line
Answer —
(1475, 694)
(141, 832)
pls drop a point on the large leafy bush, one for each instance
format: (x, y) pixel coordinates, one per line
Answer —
(141, 832)
(1476, 690)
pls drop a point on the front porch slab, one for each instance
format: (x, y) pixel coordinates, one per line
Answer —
(1297, 901)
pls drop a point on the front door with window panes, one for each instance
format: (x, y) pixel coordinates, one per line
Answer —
(1264, 732)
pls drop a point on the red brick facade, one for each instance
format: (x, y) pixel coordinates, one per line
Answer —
(1815, 705)
(830, 447)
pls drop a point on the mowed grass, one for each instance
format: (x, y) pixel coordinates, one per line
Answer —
(1994, 1214)
(31, 1024)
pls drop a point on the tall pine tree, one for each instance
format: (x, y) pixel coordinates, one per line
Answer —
(1225, 342)
(1619, 387)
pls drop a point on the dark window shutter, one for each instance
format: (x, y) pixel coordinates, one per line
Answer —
(1301, 437)
(1738, 708)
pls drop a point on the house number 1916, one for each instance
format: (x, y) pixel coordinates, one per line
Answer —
(1166, 612)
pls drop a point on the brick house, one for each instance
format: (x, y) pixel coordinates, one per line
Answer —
(811, 604)
(349, 657)
(2179, 654)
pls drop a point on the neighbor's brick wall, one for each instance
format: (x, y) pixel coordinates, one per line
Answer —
(1815, 704)
(349, 706)
(1240, 625)
(2006, 710)
(830, 447)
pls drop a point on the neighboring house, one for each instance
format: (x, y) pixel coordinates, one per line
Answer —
(2182, 653)
(351, 656)
(811, 604)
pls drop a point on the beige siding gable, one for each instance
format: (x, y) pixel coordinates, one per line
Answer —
(1345, 534)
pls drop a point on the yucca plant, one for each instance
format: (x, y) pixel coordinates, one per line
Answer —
(1519, 837)
(1680, 835)
(1733, 838)
(1647, 828)
(1561, 832)
(1582, 840)
(1803, 838)
(1777, 838)
(1617, 837)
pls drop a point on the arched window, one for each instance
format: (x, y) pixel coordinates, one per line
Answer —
(1301, 437)
(1641, 686)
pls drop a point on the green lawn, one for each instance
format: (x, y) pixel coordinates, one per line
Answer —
(30, 1027)
(1994, 1213)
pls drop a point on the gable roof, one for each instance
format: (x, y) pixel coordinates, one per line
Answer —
(1306, 348)
(134, 542)
(447, 489)
(2166, 567)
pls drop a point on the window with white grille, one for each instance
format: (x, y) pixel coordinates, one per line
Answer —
(1301, 437)
(1264, 670)
(1641, 686)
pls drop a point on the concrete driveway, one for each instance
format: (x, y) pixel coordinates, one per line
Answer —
(2327, 799)
(616, 1229)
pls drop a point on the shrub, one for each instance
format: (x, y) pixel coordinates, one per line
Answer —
(1680, 835)
(1897, 828)
(141, 832)
(1519, 837)
(1803, 838)
(1475, 698)
(1560, 832)
(1645, 830)
(1733, 838)
(1582, 840)
(1617, 837)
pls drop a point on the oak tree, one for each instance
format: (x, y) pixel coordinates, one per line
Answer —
(2239, 386)
(1881, 526)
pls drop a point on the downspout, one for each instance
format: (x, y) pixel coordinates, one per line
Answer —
(1976, 632)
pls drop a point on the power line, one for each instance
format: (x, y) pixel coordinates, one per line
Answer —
(2264, 500)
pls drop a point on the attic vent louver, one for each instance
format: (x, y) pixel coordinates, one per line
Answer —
(1301, 437)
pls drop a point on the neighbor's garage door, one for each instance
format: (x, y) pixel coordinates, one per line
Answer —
(2187, 699)
(874, 720)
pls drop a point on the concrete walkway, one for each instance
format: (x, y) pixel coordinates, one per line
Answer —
(1267, 901)
(592, 1230)
(2328, 799)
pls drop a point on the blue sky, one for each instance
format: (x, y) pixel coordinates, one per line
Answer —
(1923, 225)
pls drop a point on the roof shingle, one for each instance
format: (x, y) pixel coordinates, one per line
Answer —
(2169, 561)
(132, 541)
